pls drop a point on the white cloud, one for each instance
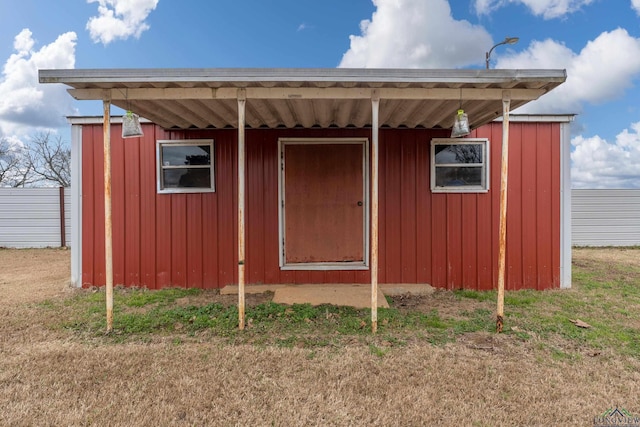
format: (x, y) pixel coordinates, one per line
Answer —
(415, 34)
(119, 19)
(600, 164)
(635, 5)
(25, 105)
(600, 72)
(548, 9)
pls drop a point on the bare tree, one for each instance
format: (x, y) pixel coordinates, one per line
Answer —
(49, 159)
(15, 171)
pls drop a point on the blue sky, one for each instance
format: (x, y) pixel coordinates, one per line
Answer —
(597, 41)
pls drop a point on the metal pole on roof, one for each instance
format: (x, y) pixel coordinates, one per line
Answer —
(375, 108)
(241, 208)
(108, 239)
(504, 171)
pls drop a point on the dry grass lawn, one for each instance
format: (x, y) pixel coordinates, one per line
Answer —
(54, 376)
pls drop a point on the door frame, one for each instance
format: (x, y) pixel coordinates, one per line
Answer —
(358, 265)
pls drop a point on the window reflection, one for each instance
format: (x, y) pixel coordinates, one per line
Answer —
(186, 155)
(177, 178)
(456, 176)
(458, 153)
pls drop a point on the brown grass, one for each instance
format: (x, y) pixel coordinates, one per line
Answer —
(49, 376)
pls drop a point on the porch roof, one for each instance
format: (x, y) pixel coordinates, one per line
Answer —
(341, 97)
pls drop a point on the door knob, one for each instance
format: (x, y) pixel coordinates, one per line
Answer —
(359, 203)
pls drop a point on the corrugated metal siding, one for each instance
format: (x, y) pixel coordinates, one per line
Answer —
(450, 240)
(447, 240)
(30, 217)
(605, 217)
(159, 240)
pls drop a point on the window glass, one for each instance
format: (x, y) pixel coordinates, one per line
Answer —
(181, 178)
(459, 166)
(185, 166)
(457, 177)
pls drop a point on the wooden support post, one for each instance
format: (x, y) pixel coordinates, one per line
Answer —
(108, 239)
(504, 172)
(241, 207)
(375, 108)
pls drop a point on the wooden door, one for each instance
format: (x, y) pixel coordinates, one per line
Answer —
(324, 203)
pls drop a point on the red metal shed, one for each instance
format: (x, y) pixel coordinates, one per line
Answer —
(341, 173)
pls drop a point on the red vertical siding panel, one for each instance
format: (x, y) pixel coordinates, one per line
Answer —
(556, 188)
(469, 242)
(514, 209)
(316, 277)
(383, 189)
(255, 224)
(423, 207)
(98, 185)
(439, 240)
(301, 276)
(346, 276)
(148, 207)
(178, 240)
(407, 141)
(544, 205)
(484, 244)
(454, 240)
(210, 242)
(227, 212)
(194, 240)
(210, 222)
(163, 240)
(132, 231)
(88, 205)
(391, 150)
(529, 206)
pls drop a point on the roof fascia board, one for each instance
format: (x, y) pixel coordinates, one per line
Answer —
(71, 76)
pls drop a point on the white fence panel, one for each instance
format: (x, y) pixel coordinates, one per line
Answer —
(605, 217)
(30, 217)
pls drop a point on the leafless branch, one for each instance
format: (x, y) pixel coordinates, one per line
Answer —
(49, 159)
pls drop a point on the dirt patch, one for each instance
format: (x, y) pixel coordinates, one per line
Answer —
(445, 303)
(32, 275)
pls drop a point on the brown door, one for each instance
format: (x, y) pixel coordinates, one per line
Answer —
(324, 203)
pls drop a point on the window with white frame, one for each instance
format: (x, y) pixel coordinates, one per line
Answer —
(459, 165)
(185, 166)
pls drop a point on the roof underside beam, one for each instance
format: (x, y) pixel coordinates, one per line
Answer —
(304, 93)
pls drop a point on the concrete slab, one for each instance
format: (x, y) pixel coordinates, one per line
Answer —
(394, 289)
(353, 295)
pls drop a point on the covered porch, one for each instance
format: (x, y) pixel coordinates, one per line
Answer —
(297, 99)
